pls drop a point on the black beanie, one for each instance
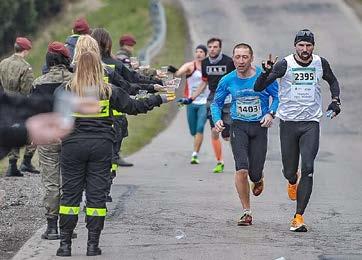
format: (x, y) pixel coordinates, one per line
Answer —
(202, 47)
(304, 35)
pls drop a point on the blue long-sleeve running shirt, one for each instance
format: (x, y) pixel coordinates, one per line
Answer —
(246, 105)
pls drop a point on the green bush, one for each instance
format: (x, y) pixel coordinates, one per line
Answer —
(22, 17)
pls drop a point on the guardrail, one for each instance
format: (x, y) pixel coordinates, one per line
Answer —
(158, 18)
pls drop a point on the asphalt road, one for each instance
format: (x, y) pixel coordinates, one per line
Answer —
(163, 193)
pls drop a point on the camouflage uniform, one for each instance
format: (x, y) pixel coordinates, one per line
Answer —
(50, 174)
(49, 154)
(29, 152)
(125, 55)
(16, 76)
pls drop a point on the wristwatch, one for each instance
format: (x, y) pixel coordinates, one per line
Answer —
(272, 113)
(336, 99)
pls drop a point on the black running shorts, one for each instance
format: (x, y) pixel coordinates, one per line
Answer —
(249, 146)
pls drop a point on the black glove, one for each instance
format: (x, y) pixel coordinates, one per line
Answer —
(334, 106)
(267, 66)
(172, 69)
(185, 101)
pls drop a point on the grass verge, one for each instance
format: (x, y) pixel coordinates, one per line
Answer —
(356, 6)
(143, 128)
(116, 16)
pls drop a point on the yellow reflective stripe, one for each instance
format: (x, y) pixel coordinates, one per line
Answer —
(68, 210)
(96, 212)
(106, 79)
(114, 167)
(104, 110)
(112, 66)
(116, 113)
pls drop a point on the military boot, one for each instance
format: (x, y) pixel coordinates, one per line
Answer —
(27, 166)
(13, 170)
(92, 244)
(121, 162)
(51, 233)
(65, 248)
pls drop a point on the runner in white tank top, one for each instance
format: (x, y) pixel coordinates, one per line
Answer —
(196, 111)
(192, 83)
(300, 108)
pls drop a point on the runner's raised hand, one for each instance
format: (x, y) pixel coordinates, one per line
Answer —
(269, 63)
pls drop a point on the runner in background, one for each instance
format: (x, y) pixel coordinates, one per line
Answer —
(196, 111)
(213, 69)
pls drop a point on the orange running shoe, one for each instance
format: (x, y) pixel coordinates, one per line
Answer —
(292, 188)
(257, 187)
(297, 224)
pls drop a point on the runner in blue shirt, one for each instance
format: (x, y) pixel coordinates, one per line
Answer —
(251, 116)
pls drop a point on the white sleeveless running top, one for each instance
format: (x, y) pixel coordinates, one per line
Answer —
(300, 91)
(192, 82)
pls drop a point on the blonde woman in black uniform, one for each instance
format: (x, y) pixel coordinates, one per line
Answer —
(87, 152)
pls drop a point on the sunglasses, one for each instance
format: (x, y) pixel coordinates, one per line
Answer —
(304, 33)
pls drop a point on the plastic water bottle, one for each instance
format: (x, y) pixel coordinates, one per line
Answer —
(329, 114)
(180, 234)
(142, 93)
(64, 105)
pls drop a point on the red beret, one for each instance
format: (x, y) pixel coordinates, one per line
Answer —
(23, 43)
(127, 39)
(58, 47)
(81, 26)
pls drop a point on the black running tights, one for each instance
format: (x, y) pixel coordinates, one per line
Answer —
(299, 139)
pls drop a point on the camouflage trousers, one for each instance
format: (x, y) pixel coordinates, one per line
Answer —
(29, 151)
(49, 163)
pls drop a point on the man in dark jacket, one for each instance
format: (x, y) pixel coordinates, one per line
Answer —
(80, 27)
(19, 123)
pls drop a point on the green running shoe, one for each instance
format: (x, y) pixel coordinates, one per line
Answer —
(194, 160)
(245, 220)
(219, 168)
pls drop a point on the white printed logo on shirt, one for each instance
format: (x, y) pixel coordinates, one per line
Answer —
(216, 70)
